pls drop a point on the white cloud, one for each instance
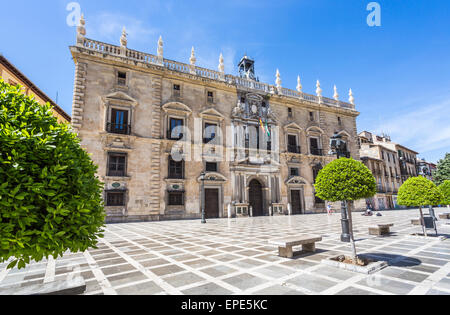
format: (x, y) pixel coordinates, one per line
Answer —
(425, 130)
(108, 26)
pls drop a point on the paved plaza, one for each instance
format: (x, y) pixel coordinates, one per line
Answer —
(227, 257)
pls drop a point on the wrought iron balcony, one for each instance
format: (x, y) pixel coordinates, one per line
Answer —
(294, 149)
(316, 151)
(171, 136)
(121, 129)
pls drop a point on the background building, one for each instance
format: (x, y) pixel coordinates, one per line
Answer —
(10, 74)
(154, 125)
(391, 164)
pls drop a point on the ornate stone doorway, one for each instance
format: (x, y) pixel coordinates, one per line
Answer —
(255, 194)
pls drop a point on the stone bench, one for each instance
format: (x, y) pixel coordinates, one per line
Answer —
(416, 221)
(444, 216)
(285, 245)
(380, 229)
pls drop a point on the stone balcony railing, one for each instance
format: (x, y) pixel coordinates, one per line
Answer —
(209, 74)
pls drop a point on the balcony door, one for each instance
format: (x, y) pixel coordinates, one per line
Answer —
(119, 121)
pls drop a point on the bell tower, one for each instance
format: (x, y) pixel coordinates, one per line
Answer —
(247, 68)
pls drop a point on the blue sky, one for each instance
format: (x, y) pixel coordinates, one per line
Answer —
(399, 72)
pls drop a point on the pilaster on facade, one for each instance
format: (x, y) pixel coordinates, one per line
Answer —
(79, 95)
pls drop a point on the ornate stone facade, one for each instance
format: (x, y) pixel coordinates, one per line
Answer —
(163, 132)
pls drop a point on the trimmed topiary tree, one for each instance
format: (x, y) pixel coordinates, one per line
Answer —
(445, 191)
(346, 180)
(419, 192)
(50, 197)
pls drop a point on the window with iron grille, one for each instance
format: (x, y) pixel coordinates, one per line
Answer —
(176, 199)
(176, 169)
(115, 199)
(117, 164)
(119, 122)
(174, 132)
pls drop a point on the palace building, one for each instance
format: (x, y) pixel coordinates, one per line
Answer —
(166, 133)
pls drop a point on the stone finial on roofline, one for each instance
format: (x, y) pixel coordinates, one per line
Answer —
(221, 64)
(81, 30)
(221, 68)
(336, 95)
(123, 38)
(351, 97)
(192, 60)
(299, 85)
(318, 90)
(160, 52)
(278, 81)
(160, 47)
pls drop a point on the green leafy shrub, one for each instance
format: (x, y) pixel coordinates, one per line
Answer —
(419, 192)
(442, 172)
(445, 191)
(50, 197)
(345, 179)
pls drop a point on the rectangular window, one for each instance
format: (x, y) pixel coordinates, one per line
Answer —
(117, 163)
(210, 132)
(121, 78)
(174, 132)
(290, 114)
(294, 171)
(292, 144)
(176, 199)
(311, 116)
(176, 90)
(211, 167)
(176, 169)
(314, 146)
(210, 97)
(115, 199)
(339, 121)
(119, 122)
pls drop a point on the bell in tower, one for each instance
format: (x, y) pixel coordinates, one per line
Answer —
(247, 68)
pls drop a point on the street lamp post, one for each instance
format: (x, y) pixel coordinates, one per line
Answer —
(202, 178)
(336, 144)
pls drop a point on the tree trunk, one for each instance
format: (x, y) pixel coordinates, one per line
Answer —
(422, 221)
(352, 239)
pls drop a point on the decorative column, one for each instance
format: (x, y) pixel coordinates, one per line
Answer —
(123, 42)
(192, 60)
(278, 82)
(160, 52)
(81, 31)
(336, 95)
(221, 68)
(319, 91)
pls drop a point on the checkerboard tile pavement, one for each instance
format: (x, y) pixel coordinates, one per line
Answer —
(232, 256)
